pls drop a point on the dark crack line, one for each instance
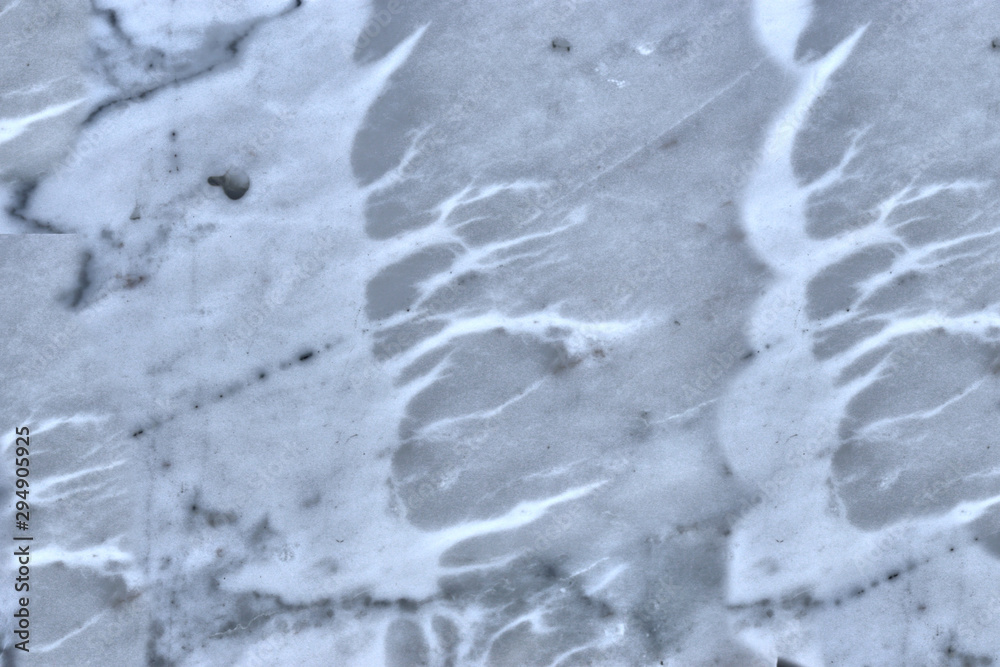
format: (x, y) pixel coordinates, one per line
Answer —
(233, 48)
(22, 199)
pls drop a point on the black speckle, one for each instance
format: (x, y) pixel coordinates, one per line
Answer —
(305, 356)
(137, 433)
(892, 576)
(262, 376)
(995, 43)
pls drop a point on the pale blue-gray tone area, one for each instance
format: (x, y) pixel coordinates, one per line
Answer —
(538, 334)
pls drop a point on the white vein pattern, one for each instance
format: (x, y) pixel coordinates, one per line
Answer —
(576, 333)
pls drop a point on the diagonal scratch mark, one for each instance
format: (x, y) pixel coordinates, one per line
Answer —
(659, 137)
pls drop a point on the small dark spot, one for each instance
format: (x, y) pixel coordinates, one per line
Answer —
(194, 508)
(137, 433)
(195, 407)
(561, 44)
(307, 355)
(669, 144)
(892, 576)
(166, 464)
(262, 376)
(747, 356)
(677, 323)
(995, 43)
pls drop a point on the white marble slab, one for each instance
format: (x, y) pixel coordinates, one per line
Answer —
(551, 333)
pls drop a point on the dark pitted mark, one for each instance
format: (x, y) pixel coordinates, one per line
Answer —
(234, 183)
(305, 356)
(560, 44)
(783, 662)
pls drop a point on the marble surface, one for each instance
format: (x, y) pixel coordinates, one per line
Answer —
(561, 332)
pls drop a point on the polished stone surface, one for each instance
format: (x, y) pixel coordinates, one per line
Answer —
(557, 333)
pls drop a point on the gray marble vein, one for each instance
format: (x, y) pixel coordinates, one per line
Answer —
(423, 332)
